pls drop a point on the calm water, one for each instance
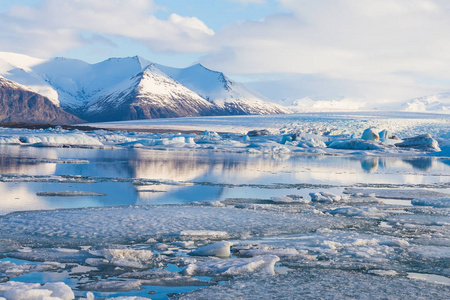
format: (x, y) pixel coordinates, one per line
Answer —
(142, 177)
(185, 176)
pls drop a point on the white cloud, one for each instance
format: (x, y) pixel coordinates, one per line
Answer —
(383, 44)
(369, 50)
(56, 26)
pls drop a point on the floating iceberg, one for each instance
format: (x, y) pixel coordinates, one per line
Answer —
(233, 266)
(127, 258)
(324, 197)
(370, 135)
(422, 142)
(356, 144)
(60, 139)
(220, 249)
(50, 290)
(435, 202)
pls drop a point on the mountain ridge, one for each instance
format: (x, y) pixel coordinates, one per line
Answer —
(20, 104)
(81, 88)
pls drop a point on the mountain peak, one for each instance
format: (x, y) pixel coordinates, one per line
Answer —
(142, 61)
(200, 67)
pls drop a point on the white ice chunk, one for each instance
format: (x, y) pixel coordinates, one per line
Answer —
(310, 142)
(89, 296)
(59, 290)
(17, 285)
(9, 140)
(69, 194)
(370, 135)
(233, 267)
(128, 258)
(25, 291)
(95, 262)
(112, 285)
(383, 272)
(60, 139)
(204, 233)
(220, 249)
(266, 250)
(357, 212)
(435, 202)
(290, 199)
(395, 243)
(184, 244)
(324, 197)
(12, 269)
(421, 142)
(387, 135)
(356, 144)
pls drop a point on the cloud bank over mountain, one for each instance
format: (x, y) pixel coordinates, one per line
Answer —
(377, 51)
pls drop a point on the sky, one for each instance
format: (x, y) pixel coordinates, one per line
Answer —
(353, 53)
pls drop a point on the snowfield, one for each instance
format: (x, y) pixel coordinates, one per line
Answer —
(329, 206)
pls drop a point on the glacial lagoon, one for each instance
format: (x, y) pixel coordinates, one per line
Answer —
(63, 209)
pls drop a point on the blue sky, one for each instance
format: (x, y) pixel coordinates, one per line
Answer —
(216, 14)
(363, 51)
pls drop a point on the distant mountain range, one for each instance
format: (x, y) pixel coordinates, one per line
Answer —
(69, 91)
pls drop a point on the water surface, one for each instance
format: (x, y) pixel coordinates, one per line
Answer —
(173, 177)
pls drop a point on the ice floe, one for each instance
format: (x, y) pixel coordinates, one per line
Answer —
(51, 290)
(357, 212)
(220, 249)
(370, 135)
(309, 284)
(12, 269)
(325, 197)
(60, 139)
(118, 224)
(421, 142)
(126, 257)
(356, 144)
(233, 266)
(69, 194)
(435, 202)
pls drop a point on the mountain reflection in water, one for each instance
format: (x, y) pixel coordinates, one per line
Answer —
(188, 176)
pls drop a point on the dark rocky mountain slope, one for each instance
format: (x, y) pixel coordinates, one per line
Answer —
(18, 104)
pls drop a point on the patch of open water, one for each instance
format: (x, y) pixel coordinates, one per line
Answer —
(176, 177)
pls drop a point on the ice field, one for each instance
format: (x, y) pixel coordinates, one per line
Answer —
(324, 205)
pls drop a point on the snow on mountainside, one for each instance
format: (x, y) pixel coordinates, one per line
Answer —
(87, 89)
(222, 91)
(439, 103)
(19, 68)
(149, 94)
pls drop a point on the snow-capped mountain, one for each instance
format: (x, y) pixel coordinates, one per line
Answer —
(217, 88)
(147, 95)
(439, 103)
(133, 88)
(20, 104)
